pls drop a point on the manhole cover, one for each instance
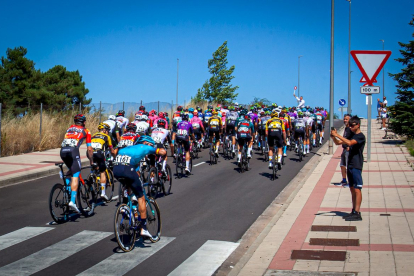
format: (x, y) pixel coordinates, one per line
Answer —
(334, 242)
(333, 228)
(318, 255)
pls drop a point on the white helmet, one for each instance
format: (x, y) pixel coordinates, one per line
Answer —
(144, 117)
(138, 117)
(112, 117)
(307, 113)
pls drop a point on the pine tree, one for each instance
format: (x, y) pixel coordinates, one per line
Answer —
(218, 88)
(402, 112)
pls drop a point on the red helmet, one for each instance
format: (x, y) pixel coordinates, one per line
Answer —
(161, 115)
(179, 108)
(131, 127)
(79, 118)
(142, 107)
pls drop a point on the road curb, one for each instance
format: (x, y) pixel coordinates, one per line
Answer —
(256, 233)
(34, 175)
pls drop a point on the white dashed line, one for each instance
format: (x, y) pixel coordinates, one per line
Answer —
(199, 164)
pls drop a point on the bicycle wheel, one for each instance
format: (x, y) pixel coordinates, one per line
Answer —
(153, 220)
(274, 169)
(195, 151)
(211, 156)
(125, 233)
(110, 184)
(178, 165)
(167, 180)
(300, 150)
(86, 198)
(58, 203)
(317, 139)
(152, 190)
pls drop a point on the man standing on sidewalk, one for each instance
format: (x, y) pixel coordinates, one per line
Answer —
(301, 101)
(355, 163)
(345, 149)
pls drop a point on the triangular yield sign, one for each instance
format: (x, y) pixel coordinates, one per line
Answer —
(370, 63)
(363, 80)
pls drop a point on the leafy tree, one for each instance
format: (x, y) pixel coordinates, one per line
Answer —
(257, 100)
(402, 112)
(22, 86)
(218, 87)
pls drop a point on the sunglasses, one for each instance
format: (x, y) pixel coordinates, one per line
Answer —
(353, 125)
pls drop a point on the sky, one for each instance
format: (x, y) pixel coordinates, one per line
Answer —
(128, 50)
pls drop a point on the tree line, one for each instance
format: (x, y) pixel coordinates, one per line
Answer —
(22, 86)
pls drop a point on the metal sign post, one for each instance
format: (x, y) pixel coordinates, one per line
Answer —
(369, 90)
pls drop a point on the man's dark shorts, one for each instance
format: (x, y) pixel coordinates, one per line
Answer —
(354, 178)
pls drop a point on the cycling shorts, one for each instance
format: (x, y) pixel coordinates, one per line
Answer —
(130, 178)
(99, 159)
(71, 157)
(320, 127)
(230, 130)
(184, 142)
(197, 136)
(243, 139)
(299, 132)
(261, 131)
(214, 133)
(275, 138)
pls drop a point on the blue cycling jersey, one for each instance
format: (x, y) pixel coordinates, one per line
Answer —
(133, 154)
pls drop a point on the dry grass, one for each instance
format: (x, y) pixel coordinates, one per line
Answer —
(22, 135)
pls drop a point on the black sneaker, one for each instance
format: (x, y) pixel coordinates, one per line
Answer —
(354, 217)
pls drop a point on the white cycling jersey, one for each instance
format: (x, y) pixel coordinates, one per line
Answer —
(122, 123)
(159, 135)
(142, 127)
(309, 120)
(111, 123)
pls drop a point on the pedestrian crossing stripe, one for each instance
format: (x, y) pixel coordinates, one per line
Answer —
(53, 254)
(21, 235)
(127, 261)
(206, 259)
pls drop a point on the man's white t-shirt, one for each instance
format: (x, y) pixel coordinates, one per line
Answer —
(301, 103)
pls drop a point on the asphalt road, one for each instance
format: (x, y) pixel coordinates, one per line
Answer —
(215, 203)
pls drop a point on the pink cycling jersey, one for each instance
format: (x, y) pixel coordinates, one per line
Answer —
(156, 121)
(196, 120)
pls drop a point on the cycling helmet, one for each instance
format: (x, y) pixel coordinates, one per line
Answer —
(219, 105)
(253, 108)
(184, 117)
(198, 108)
(243, 112)
(120, 113)
(217, 108)
(179, 108)
(145, 138)
(142, 107)
(79, 118)
(104, 126)
(138, 117)
(214, 112)
(144, 117)
(191, 110)
(166, 114)
(274, 114)
(225, 106)
(300, 114)
(131, 127)
(262, 113)
(307, 113)
(112, 117)
(155, 112)
(231, 108)
(209, 106)
(267, 112)
(161, 115)
(281, 114)
(161, 123)
(195, 112)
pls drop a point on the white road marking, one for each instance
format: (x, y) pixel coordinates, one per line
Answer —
(54, 253)
(122, 263)
(206, 259)
(199, 164)
(21, 235)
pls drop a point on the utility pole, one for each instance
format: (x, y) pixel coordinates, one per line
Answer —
(176, 99)
(349, 62)
(299, 75)
(331, 96)
(383, 70)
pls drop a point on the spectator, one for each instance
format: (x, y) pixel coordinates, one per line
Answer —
(345, 149)
(355, 164)
(379, 107)
(301, 101)
(384, 101)
(383, 115)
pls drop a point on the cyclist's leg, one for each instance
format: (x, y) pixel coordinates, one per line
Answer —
(70, 156)
(279, 145)
(239, 147)
(99, 159)
(217, 134)
(186, 145)
(271, 142)
(250, 141)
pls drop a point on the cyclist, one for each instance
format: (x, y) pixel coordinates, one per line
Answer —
(286, 123)
(231, 119)
(161, 115)
(190, 113)
(129, 138)
(309, 123)
(176, 120)
(114, 130)
(207, 115)
(320, 121)
(142, 124)
(214, 130)
(159, 134)
(101, 142)
(261, 129)
(122, 121)
(167, 118)
(152, 117)
(74, 137)
(300, 130)
(184, 131)
(245, 132)
(275, 132)
(198, 128)
(126, 166)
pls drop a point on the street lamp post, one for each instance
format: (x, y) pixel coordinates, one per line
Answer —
(176, 97)
(349, 61)
(383, 70)
(331, 96)
(299, 75)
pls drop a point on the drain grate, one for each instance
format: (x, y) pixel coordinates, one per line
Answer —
(333, 228)
(334, 242)
(50, 161)
(318, 255)
(385, 215)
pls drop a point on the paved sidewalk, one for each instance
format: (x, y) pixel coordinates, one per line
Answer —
(32, 165)
(304, 238)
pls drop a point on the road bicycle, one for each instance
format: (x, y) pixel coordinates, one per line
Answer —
(180, 162)
(318, 135)
(159, 181)
(213, 156)
(266, 150)
(127, 221)
(228, 147)
(194, 149)
(95, 179)
(244, 161)
(60, 195)
(300, 148)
